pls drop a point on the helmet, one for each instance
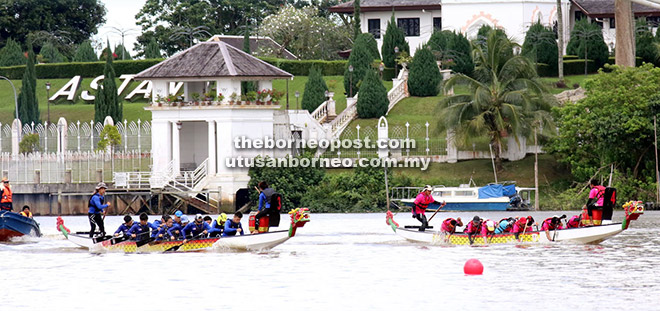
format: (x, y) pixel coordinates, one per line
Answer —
(222, 218)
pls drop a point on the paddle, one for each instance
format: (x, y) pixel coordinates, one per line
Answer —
(436, 210)
(101, 239)
(145, 241)
(523, 233)
(554, 235)
(176, 247)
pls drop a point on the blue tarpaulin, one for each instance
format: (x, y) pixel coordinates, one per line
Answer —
(509, 190)
(491, 191)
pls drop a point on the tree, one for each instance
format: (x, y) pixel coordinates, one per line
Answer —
(160, 18)
(304, 33)
(11, 54)
(560, 46)
(50, 54)
(152, 50)
(190, 34)
(122, 53)
(505, 98)
(357, 28)
(461, 54)
(85, 53)
(424, 77)
(587, 42)
(360, 60)
(247, 86)
(645, 47)
(393, 38)
(28, 105)
(106, 102)
(29, 144)
(540, 46)
(612, 126)
(315, 89)
(373, 101)
(368, 40)
(79, 18)
(109, 138)
(105, 52)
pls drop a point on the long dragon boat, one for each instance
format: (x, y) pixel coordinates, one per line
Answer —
(248, 242)
(583, 235)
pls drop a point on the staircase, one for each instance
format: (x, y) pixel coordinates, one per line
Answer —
(188, 188)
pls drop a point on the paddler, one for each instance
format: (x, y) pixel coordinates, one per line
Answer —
(6, 201)
(487, 229)
(449, 225)
(26, 212)
(196, 228)
(473, 227)
(233, 226)
(595, 201)
(140, 231)
(123, 228)
(574, 222)
(176, 231)
(97, 209)
(218, 225)
(552, 223)
(177, 218)
(505, 225)
(420, 205)
(164, 231)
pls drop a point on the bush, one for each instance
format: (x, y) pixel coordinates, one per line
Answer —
(576, 67)
(372, 101)
(645, 42)
(109, 137)
(291, 182)
(460, 46)
(12, 55)
(424, 76)
(51, 54)
(302, 67)
(368, 40)
(315, 89)
(85, 53)
(543, 70)
(570, 57)
(590, 36)
(394, 37)
(29, 143)
(86, 70)
(540, 46)
(361, 60)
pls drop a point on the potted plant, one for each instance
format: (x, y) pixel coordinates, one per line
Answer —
(209, 96)
(171, 100)
(244, 99)
(232, 98)
(276, 96)
(220, 98)
(195, 97)
(251, 96)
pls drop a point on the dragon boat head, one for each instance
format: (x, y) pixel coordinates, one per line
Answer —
(633, 210)
(299, 217)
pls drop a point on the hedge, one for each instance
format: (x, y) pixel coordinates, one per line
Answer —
(301, 67)
(571, 67)
(571, 57)
(86, 70)
(612, 60)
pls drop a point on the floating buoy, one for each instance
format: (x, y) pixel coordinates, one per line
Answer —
(473, 267)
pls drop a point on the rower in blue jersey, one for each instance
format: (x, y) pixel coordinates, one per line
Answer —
(196, 228)
(123, 228)
(218, 225)
(140, 231)
(233, 226)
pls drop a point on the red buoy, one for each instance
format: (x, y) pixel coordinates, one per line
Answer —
(473, 267)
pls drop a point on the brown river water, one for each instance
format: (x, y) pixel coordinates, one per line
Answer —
(338, 262)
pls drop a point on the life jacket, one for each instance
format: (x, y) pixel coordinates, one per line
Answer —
(574, 222)
(269, 192)
(423, 204)
(6, 195)
(90, 205)
(28, 214)
(448, 226)
(548, 224)
(218, 225)
(599, 195)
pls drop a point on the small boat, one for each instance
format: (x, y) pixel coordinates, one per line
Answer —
(248, 242)
(582, 235)
(14, 225)
(492, 197)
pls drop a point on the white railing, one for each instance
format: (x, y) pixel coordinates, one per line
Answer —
(321, 112)
(343, 119)
(399, 89)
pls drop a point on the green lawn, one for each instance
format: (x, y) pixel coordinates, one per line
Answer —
(569, 80)
(79, 110)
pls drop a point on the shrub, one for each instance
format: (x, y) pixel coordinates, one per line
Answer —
(85, 53)
(86, 70)
(29, 143)
(361, 60)
(12, 54)
(372, 101)
(315, 89)
(540, 46)
(645, 42)
(109, 137)
(394, 37)
(460, 46)
(302, 67)
(424, 76)
(589, 36)
(51, 54)
(368, 40)
(576, 67)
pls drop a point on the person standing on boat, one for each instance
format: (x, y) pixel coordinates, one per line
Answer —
(6, 201)
(233, 226)
(596, 199)
(97, 209)
(218, 225)
(26, 212)
(420, 205)
(123, 228)
(449, 225)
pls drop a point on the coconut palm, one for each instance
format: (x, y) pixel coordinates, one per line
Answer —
(505, 97)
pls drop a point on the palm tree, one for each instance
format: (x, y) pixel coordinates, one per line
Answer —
(505, 97)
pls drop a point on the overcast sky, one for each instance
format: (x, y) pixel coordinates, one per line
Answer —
(121, 14)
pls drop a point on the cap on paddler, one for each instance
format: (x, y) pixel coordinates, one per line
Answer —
(127, 218)
(476, 219)
(428, 188)
(184, 219)
(199, 217)
(101, 185)
(178, 214)
(490, 225)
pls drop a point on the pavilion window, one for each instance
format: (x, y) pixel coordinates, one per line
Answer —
(410, 26)
(374, 27)
(437, 23)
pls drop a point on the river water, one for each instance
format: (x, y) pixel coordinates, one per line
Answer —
(337, 262)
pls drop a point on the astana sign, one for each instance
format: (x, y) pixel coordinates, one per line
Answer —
(70, 89)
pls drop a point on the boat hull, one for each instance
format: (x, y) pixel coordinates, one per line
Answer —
(260, 241)
(584, 235)
(467, 206)
(15, 225)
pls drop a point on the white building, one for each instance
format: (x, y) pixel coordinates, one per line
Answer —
(419, 18)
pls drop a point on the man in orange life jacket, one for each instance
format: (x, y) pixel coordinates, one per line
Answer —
(6, 202)
(26, 212)
(422, 201)
(596, 199)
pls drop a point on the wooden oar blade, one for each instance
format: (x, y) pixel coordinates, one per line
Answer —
(119, 240)
(101, 239)
(144, 242)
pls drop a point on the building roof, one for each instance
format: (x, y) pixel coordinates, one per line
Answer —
(388, 5)
(212, 60)
(255, 44)
(605, 8)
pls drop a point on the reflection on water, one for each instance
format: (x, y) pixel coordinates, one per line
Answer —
(338, 261)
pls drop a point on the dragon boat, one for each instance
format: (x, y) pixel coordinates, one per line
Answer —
(581, 235)
(248, 242)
